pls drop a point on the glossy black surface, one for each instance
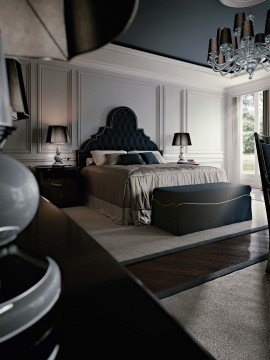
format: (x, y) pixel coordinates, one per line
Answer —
(60, 184)
(181, 29)
(103, 313)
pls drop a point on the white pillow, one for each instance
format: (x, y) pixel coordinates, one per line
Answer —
(89, 161)
(99, 156)
(157, 154)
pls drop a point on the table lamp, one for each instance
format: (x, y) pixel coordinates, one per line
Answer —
(181, 139)
(58, 134)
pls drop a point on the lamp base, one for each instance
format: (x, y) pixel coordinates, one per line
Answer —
(181, 159)
(58, 160)
(58, 164)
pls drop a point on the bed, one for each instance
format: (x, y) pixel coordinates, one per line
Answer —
(124, 192)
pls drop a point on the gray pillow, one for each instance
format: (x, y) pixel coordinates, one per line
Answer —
(112, 158)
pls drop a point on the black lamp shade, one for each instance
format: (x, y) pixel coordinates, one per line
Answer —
(247, 29)
(181, 139)
(17, 93)
(238, 20)
(91, 24)
(225, 36)
(221, 58)
(57, 134)
(62, 29)
(259, 38)
(234, 43)
(219, 34)
(213, 46)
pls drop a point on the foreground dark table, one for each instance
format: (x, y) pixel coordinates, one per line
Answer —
(103, 312)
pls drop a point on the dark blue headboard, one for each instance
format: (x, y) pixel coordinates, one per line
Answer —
(120, 133)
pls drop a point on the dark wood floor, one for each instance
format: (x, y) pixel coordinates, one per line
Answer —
(175, 269)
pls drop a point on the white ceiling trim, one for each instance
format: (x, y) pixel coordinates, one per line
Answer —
(123, 60)
(240, 3)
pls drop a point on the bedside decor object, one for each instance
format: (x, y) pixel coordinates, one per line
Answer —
(192, 162)
(58, 134)
(19, 198)
(181, 139)
(39, 287)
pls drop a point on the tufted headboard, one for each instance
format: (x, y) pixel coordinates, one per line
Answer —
(120, 133)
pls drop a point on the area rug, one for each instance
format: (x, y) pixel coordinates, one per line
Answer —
(130, 244)
(230, 315)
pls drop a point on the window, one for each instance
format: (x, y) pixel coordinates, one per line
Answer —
(251, 121)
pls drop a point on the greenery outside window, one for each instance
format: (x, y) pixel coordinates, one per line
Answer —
(251, 107)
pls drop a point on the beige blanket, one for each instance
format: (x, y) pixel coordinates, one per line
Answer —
(124, 193)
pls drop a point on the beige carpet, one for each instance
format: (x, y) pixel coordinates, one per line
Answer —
(230, 315)
(127, 242)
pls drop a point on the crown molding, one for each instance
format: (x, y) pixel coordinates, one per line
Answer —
(127, 61)
(124, 60)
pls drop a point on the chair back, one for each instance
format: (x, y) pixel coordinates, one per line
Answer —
(264, 165)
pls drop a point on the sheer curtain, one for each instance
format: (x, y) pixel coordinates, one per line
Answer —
(236, 140)
(266, 125)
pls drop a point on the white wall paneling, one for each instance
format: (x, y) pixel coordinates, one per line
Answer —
(204, 123)
(167, 96)
(100, 93)
(54, 104)
(173, 118)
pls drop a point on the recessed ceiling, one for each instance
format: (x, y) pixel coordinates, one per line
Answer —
(181, 29)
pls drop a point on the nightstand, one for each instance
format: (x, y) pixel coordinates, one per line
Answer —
(60, 185)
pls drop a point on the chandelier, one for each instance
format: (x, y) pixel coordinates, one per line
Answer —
(229, 54)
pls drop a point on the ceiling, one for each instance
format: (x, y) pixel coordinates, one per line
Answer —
(181, 29)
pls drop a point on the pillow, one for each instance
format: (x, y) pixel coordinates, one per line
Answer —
(89, 161)
(149, 158)
(157, 154)
(130, 159)
(159, 157)
(100, 158)
(113, 158)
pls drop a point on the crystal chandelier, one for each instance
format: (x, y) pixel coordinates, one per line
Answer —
(231, 54)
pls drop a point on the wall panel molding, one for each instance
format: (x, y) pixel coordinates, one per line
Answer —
(205, 124)
(82, 97)
(43, 110)
(147, 88)
(173, 117)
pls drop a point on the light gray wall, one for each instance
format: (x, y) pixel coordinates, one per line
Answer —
(81, 98)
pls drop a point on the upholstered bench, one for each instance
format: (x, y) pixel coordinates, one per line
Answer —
(189, 208)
